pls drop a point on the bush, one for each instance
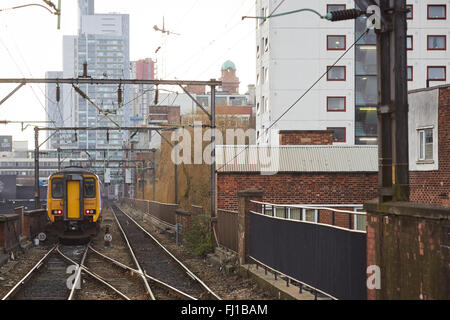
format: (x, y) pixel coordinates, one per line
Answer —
(197, 237)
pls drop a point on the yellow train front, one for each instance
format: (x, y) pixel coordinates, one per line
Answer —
(74, 205)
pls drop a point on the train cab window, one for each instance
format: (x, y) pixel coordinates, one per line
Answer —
(89, 188)
(57, 188)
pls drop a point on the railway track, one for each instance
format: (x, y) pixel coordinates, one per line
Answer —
(169, 277)
(58, 276)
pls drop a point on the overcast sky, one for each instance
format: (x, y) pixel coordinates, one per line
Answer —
(211, 32)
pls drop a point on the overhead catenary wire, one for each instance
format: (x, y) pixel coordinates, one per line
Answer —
(202, 51)
(301, 97)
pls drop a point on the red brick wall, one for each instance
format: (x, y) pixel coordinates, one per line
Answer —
(407, 242)
(433, 187)
(297, 137)
(299, 188)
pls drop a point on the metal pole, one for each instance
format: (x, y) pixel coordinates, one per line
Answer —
(385, 108)
(154, 174)
(37, 203)
(393, 103)
(400, 137)
(59, 159)
(143, 181)
(176, 171)
(213, 152)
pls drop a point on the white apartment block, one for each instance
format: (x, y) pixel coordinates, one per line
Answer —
(293, 51)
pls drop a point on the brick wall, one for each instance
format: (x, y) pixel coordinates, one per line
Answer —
(433, 187)
(409, 243)
(298, 137)
(298, 188)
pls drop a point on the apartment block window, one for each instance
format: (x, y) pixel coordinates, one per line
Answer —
(426, 144)
(337, 73)
(336, 104)
(437, 12)
(335, 7)
(336, 43)
(339, 134)
(436, 73)
(410, 73)
(257, 51)
(437, 42)
(409, 42)
(410, 14)
(266, 44)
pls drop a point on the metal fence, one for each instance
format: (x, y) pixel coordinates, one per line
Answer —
(227, 229)
(164, 212)
(328, 258)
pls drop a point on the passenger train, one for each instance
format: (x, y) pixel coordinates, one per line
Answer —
(74, 205)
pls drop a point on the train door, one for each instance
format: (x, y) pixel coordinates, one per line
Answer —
(73, 199)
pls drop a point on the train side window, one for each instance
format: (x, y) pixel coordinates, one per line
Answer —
(89, 188)
(57, 188)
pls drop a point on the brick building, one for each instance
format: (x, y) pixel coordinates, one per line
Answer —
(335, 176)
(230, 82)
(164, 114)
(308, 137)
(429, 145)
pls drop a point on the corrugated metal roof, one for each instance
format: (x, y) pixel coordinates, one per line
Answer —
(269, 159)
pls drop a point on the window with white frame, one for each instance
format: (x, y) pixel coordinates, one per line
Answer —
(359, 220)
(425, 144)
(310, 215)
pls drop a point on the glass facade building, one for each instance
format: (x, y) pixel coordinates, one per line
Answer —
(366, 86)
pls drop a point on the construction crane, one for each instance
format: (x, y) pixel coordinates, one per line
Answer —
(163, 46)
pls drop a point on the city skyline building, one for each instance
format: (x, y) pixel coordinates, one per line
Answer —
(102, 43)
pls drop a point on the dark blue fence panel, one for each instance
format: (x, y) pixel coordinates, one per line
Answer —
(330, 259)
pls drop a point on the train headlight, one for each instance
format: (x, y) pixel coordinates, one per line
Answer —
(89, 211)
(57, 212)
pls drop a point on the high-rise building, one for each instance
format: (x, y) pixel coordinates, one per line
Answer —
(293, 51)
(141, 96)
(103, 43)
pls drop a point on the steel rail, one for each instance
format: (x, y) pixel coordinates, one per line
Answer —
(125, 267)
(78, 275)
(117, 263)
(28, 275)
(95, 276)
(141, 273)
(189, 272)
(184, 294)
